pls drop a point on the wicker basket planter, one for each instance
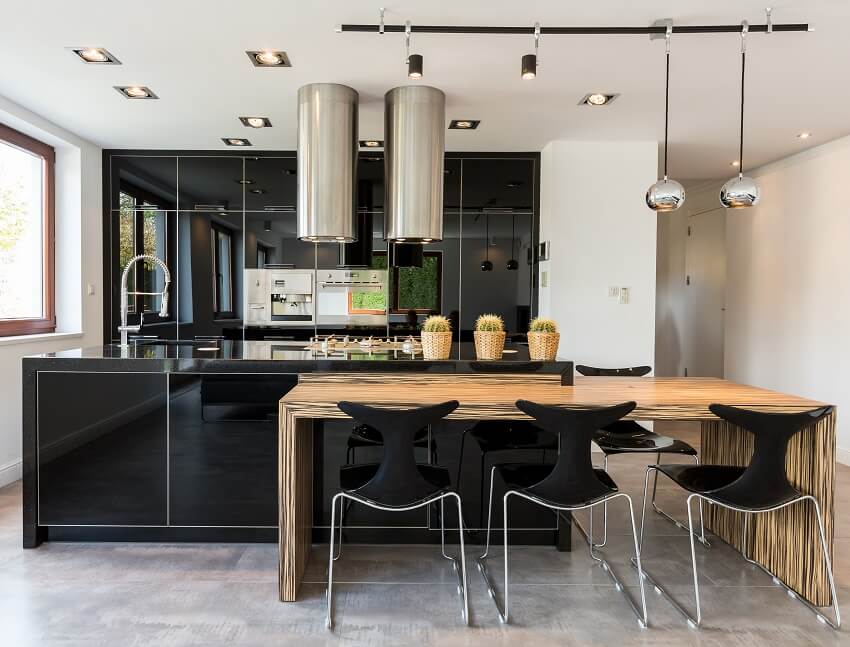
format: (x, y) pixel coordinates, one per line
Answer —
(436, 345)
(543, 345)
(489, 344)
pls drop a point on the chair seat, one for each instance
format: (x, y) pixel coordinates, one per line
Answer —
(522, 477)
(627, 436)
(353, 477)
(494, 436)
(366, 436)
(718, 483)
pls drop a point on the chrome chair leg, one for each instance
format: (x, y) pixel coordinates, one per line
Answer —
(701, 538)
(505, 615)
(329, 619)
(341, 519)
(462, 574)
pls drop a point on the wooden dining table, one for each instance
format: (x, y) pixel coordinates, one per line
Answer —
(785, 542)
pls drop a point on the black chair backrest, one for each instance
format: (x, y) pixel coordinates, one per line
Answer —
(398, 482)
(593, 371)
(572, 481)
(764, 482)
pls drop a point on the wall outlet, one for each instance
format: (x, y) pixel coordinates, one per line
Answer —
(613, 291)
(90, 289)
(623, 296)
(544, 279)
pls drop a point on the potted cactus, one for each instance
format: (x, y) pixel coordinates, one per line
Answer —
(543, 338)
(436, 338)
(489, 337)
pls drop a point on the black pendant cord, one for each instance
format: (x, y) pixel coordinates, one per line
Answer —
(513, 235)
(741, 142)
(666, 106)
(487, 238)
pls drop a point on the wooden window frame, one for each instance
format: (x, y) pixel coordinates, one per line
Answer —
(46, 323)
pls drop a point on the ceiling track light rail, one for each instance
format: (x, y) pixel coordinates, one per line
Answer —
(653, 30)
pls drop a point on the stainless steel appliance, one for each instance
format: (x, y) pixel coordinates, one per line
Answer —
(282, 297)
(352, 297)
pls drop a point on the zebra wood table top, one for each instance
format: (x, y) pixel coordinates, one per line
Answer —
(493, 397)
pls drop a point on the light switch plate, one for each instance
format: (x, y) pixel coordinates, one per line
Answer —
(624, 296)
(90, 289)
(544, 279)
(613, 291)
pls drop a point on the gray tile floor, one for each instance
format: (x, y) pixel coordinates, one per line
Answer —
(131, 595)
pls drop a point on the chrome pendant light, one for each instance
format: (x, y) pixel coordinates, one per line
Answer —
(666, 194)
(414, 61)
(742, 191)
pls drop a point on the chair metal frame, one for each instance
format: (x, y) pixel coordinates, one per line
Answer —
(694, 620)
(504, 615)
(462, 581)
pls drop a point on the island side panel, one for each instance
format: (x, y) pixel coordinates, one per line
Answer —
(295, 474)
(785, 542)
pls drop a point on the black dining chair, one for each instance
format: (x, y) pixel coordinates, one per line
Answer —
(364, 436)
(762, 486)
(630, 437)
(493, 436)
(398, 483)
(571, 484)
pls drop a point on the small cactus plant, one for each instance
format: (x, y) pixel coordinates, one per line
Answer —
(489, 323)
(542, 325)
(436, 323)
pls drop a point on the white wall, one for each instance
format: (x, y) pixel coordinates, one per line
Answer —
(677, 329)
(601, 234)
(78, 264)
(788, 293)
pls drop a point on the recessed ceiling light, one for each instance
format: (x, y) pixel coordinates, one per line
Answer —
(244, 181)
(257, 191)
(96, 55)
(735, 163)
(235, 141)
(371, 143)
(256, 122)
(804, 135)
(597, 99)
(136, 91)
(268, 58)
(464, 124)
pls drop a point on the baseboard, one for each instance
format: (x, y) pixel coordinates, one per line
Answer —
(842, 455)
(10, 472)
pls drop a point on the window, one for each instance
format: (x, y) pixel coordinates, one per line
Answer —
(222, 269)
(26, 235)
(142, 229)
(415, 288)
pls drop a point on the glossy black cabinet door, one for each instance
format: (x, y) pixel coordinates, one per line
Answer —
(149, 179)
(223, 448)
(102, 441)
(271, 184)
(210, 183)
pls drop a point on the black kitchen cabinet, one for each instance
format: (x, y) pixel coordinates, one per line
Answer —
(102, 457)
(271, 184)
(149, 179)
(210, 183)
(498, 183)
(223, 448)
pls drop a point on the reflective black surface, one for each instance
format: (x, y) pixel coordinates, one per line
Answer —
(102, 448)
(207, 183)
(223, 448)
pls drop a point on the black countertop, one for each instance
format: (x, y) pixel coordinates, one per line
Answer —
(223, 356)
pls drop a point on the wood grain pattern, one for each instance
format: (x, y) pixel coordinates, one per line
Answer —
(295, 475)
(786, 542)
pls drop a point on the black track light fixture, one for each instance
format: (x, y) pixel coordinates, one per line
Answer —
(513, 264)
(529, 61)
(414, 61)
(487, 264)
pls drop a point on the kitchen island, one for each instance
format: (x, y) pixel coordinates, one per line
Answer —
(785, 542)
(177, 441)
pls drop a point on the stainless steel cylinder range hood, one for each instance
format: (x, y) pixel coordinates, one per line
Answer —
(414, 147)
(327, 162)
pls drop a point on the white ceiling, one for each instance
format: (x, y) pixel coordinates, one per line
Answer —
(191, 53)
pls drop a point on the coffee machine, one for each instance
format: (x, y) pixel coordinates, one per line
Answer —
(279, 297)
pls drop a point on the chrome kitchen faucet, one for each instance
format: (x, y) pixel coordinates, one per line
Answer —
(125, 305)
